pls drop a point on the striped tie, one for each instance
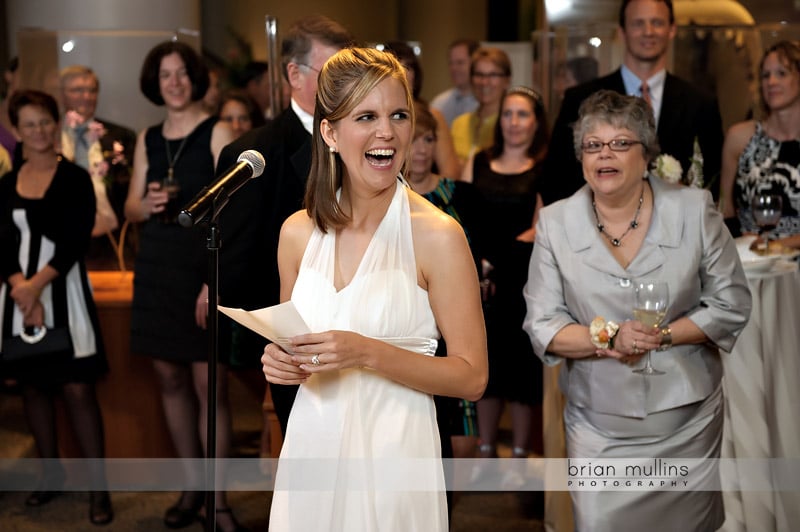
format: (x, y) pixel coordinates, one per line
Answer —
(646, 94)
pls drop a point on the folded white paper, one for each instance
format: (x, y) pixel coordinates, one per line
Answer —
(276, 323)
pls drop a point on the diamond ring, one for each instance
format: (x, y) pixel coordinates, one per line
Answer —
(315, 360)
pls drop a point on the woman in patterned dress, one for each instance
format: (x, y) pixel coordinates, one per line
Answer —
(764, 155)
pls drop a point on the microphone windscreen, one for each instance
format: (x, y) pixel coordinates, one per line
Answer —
(255, 159)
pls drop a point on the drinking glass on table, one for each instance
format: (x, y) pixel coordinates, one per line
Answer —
(652, 298)
(767, 212)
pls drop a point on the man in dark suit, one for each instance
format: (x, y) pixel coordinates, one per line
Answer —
(683, 113)
(250, 224)
(101, 147)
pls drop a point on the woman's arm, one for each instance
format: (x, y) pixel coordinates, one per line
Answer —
(279, 366)
(529, 235)
(221, 136)
(143, 200)
(448, 269)
(723, 306)
(735, 141)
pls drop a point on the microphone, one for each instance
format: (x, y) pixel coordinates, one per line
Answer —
(249, 164)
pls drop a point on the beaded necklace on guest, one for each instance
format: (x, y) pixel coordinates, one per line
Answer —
(617, 242)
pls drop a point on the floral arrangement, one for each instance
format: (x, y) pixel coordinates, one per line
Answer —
(670, 170)
(694, 176)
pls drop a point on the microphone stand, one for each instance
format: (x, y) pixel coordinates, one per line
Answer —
(213, 243)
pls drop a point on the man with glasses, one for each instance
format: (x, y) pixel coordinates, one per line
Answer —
(101, 147)
(689, 124)
(250, 224)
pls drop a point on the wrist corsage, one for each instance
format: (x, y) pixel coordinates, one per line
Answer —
(602, 333)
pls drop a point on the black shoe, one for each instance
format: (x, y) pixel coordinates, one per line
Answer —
(236, 526)
(100, 512)
(184, 512)
(41, 497)
(49, 487)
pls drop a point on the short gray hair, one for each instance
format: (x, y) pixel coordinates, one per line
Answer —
(620, 111)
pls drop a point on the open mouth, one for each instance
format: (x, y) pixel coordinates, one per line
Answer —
(607, 172)
(380, 158)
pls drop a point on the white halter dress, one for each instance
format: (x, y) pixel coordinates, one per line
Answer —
(362, 452)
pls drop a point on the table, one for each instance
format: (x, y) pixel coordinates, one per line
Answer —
(762, 398)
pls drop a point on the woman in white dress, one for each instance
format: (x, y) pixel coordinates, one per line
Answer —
(377, 273)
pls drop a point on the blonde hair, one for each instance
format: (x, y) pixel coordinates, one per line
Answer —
(345, 80)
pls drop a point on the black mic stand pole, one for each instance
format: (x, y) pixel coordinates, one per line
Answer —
(213, 243)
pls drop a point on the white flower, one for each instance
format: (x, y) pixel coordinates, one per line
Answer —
(668, 168)
(694, 176)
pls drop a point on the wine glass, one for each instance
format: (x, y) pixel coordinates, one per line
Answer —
(767, 212)
(652, 298)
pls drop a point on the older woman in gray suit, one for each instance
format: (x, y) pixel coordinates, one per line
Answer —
(623, 225)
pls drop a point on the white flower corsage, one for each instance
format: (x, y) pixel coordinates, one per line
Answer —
(602, 333)
(668, 168)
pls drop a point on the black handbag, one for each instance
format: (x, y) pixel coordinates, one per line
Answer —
(42, 342)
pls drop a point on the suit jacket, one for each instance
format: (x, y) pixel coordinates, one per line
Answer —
(573, 277)
(251, 222)
(686, 113)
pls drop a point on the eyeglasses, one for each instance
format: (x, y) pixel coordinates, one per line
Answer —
(595, 146)
(488, 75)
(309, 67)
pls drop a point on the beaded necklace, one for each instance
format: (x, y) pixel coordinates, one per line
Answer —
(617, 242)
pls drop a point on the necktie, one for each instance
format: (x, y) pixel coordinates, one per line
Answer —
(81, 157)
(646, 93)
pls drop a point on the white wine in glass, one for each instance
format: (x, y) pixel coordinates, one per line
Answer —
(767, 212)
(652, 298)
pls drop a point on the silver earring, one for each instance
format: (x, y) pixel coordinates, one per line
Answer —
(331, 149)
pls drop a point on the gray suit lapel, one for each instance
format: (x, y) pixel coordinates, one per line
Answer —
(664, 232)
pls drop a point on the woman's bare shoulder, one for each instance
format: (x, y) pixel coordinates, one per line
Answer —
(296, 230)
(436, 234)
(741, 132)
(427, 218)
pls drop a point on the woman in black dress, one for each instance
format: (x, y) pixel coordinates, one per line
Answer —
(173, 161)
(47, 210)
(505, 175)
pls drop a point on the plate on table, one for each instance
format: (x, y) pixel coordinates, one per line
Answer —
(760, 264)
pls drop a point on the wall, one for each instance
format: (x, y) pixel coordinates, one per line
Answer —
(433, 23)
(112, 36)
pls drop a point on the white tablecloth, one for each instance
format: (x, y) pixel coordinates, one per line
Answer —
(762, 399)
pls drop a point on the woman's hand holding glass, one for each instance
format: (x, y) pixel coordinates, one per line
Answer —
(650, 307)
(631, 342)
(155, 199)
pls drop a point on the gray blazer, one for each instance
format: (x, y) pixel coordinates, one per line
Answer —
(573, 278)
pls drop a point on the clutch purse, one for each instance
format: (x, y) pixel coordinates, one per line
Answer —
(37, 342)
